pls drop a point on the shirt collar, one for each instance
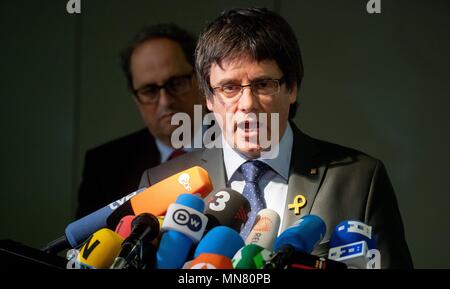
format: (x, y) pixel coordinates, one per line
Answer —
(233, 159)
(164, 150)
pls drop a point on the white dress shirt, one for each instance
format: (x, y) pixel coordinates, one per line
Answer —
(274, 183)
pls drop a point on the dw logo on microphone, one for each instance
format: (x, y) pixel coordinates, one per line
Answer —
(183, 218)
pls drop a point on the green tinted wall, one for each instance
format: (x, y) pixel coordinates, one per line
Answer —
(375, 82)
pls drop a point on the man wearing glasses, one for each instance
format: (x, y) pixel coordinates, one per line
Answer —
(159, 67)
(248, 64)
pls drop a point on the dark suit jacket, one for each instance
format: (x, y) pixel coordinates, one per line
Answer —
(339, 184)
(114, 169)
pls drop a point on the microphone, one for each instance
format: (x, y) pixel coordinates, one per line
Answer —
(209, 261)
(78, 231)
(216, 249)
(124, 226)
(183, 226)
(72, 259)
(265, 230)
(251, 256)
(302, 237)
(99, 250)
(226, 207)
(259, 241)
(354, 244)
(154, 200)
(145, 228)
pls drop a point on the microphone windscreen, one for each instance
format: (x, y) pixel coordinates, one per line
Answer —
(354, 243)
(226, 207)
(352, 231)
(220, 240)
(210, 261)
(251, 256)
(124, 226)
(304, 235)
(265, 229)
(145, 227)
(191, 201)
(100, 249)
(157, 198)
(184, 225)
(79, 230)
(137, 250)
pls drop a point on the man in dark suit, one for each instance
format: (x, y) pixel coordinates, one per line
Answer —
(158, 65)
(249, 64)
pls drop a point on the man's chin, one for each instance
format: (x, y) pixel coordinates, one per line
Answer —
(166, 132)
(248, 149)
(169, 129)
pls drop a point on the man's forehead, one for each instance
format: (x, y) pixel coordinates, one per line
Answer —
(157, 60)
(159, 52)
(244, 64)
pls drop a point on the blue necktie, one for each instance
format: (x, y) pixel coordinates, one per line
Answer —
(252, 171)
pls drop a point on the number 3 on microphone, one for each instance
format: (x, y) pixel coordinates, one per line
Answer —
(222, 197)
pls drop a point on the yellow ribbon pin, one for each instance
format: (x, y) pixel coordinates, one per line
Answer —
(299, 203)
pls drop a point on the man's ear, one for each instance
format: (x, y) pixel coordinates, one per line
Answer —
(209, 103)
(293, 93)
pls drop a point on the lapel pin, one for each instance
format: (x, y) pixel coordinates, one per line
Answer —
(298, 203)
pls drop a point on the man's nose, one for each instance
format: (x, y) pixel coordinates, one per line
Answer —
(247, 101)
(165, 99)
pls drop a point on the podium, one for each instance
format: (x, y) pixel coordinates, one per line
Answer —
(15, 255)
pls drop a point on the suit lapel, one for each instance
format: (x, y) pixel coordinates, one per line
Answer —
(305, 176)
(210, 159)
(212, 162)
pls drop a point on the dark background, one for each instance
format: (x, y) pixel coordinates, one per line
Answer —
(375, 82)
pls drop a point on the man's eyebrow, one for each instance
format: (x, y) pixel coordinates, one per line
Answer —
(147, 85)
(261, 77)
(236, 81)
(227, 81)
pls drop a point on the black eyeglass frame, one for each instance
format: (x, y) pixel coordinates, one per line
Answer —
(167, 86)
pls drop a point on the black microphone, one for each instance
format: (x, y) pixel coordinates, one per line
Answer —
(137, 250)
(289, 258)
(226, 207)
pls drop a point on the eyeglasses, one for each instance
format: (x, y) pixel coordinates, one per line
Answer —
(266, 88)
(175, 86)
